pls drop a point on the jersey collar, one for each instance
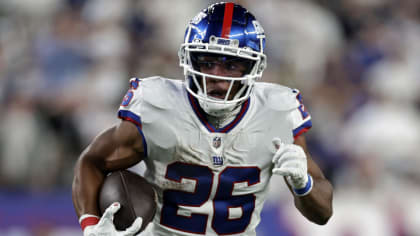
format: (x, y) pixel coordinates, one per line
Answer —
(202, 116)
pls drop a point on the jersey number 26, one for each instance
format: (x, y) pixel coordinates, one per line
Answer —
(223, 199)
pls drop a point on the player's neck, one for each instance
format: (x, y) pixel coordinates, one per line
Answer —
(221, 121)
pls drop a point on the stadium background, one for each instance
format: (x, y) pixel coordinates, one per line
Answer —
(65, 65)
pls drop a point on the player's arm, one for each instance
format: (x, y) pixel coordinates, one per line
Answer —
(311, 190)
(317, 204)
(116, 148)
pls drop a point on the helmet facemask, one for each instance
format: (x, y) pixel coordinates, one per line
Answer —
(230, 32)
(196, 81)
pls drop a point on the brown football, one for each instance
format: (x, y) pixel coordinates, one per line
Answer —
(134, 193)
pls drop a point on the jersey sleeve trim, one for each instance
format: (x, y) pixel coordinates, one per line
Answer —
(136, 120)
(303, 128)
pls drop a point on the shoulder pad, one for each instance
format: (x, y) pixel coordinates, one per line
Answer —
(278, 97)
(159, 92)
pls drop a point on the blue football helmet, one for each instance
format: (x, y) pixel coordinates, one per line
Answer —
(229, 30)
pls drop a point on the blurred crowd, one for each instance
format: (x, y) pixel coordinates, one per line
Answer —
(65, 65)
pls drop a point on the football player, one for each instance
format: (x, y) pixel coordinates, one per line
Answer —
(210, 143)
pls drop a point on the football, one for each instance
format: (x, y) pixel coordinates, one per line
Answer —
(134, 193)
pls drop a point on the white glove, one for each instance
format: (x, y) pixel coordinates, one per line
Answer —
(106, 227)
(290, 161)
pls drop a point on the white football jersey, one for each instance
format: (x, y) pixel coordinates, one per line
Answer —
(210, 181)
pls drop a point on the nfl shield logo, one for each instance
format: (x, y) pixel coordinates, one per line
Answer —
(217, 141)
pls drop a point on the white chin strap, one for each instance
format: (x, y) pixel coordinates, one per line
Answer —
(216, 109)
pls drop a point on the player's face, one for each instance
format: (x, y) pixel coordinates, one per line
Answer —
(221, 66)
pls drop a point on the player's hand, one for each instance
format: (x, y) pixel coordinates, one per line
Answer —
(290, 161)
(106, 227)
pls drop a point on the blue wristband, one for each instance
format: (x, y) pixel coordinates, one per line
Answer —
(305, 190)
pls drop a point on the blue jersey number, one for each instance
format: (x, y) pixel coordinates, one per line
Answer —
(222, 202)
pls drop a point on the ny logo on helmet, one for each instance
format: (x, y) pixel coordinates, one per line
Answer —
(201, 15)
(258, 29)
